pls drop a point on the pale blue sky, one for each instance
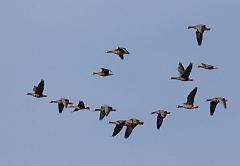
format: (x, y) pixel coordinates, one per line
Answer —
(64, 41)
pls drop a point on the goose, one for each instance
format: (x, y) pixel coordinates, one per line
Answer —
(104, 111)
(161, 114)
(183, 73)
(62, 102)
(207, 66)
(190, 100)
(120, 51)
(214, 101)
(131, 124)
(119, 125)
(38, 90)
(104, 72)
(200, 28)
(80, 106)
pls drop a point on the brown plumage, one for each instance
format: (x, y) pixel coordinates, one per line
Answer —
(131, 124)
(183, 73)
(207, 66)
(161, 114)
(104, 111)
(214, 101)
(62, 102)
(119, 125)
(38, 90)
(104, 72)
(190, 100)
(120, 51)
(200, 28)
(80, 106)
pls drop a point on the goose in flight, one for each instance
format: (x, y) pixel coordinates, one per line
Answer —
(104, 111)
(120, 51)
(80, 106)
(183, 73)
(161, 114)
(214, 101)
(104, 72)
(62, 102)
(38, 90)
(190, 100)
(119, 125)
(131, 124)
(200, 28)
(207, 66)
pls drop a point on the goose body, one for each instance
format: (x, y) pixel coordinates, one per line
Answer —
(207, 66)
(120, 51)
(200, 29)
(104, 72)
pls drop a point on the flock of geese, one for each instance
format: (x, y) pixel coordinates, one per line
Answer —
(161, 114)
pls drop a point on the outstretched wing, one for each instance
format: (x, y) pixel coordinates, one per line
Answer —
(159, 121)
(199, 36)
(117, 129)
(180, 68)
(39, 89)
(213, 105)
(102, 115)
(121, 56)
(60, 107)
(128, 131)
(187, 72)
(224, 102)
(191, 96)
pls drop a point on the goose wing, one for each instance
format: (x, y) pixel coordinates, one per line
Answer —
(180, 68)
(224, 102)
(191, 96)
(187, 72)
(159, 121)
(102, 115)
(60, 107)
(118, 128)
(199, 36)
(128, 131)
(213, 105)
(39, 89)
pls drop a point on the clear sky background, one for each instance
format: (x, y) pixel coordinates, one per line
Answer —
(64, 41)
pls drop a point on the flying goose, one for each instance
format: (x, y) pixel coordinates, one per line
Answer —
(183, 73)
(207, 66)
(62, 102)
(200, 28)
(38, 90)
(119, 125)
(161, 114)
(80, 106)
(104, 111)
(214, 101)
(131, 124)
(190, 100)
(120, 51)
(104, 72)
